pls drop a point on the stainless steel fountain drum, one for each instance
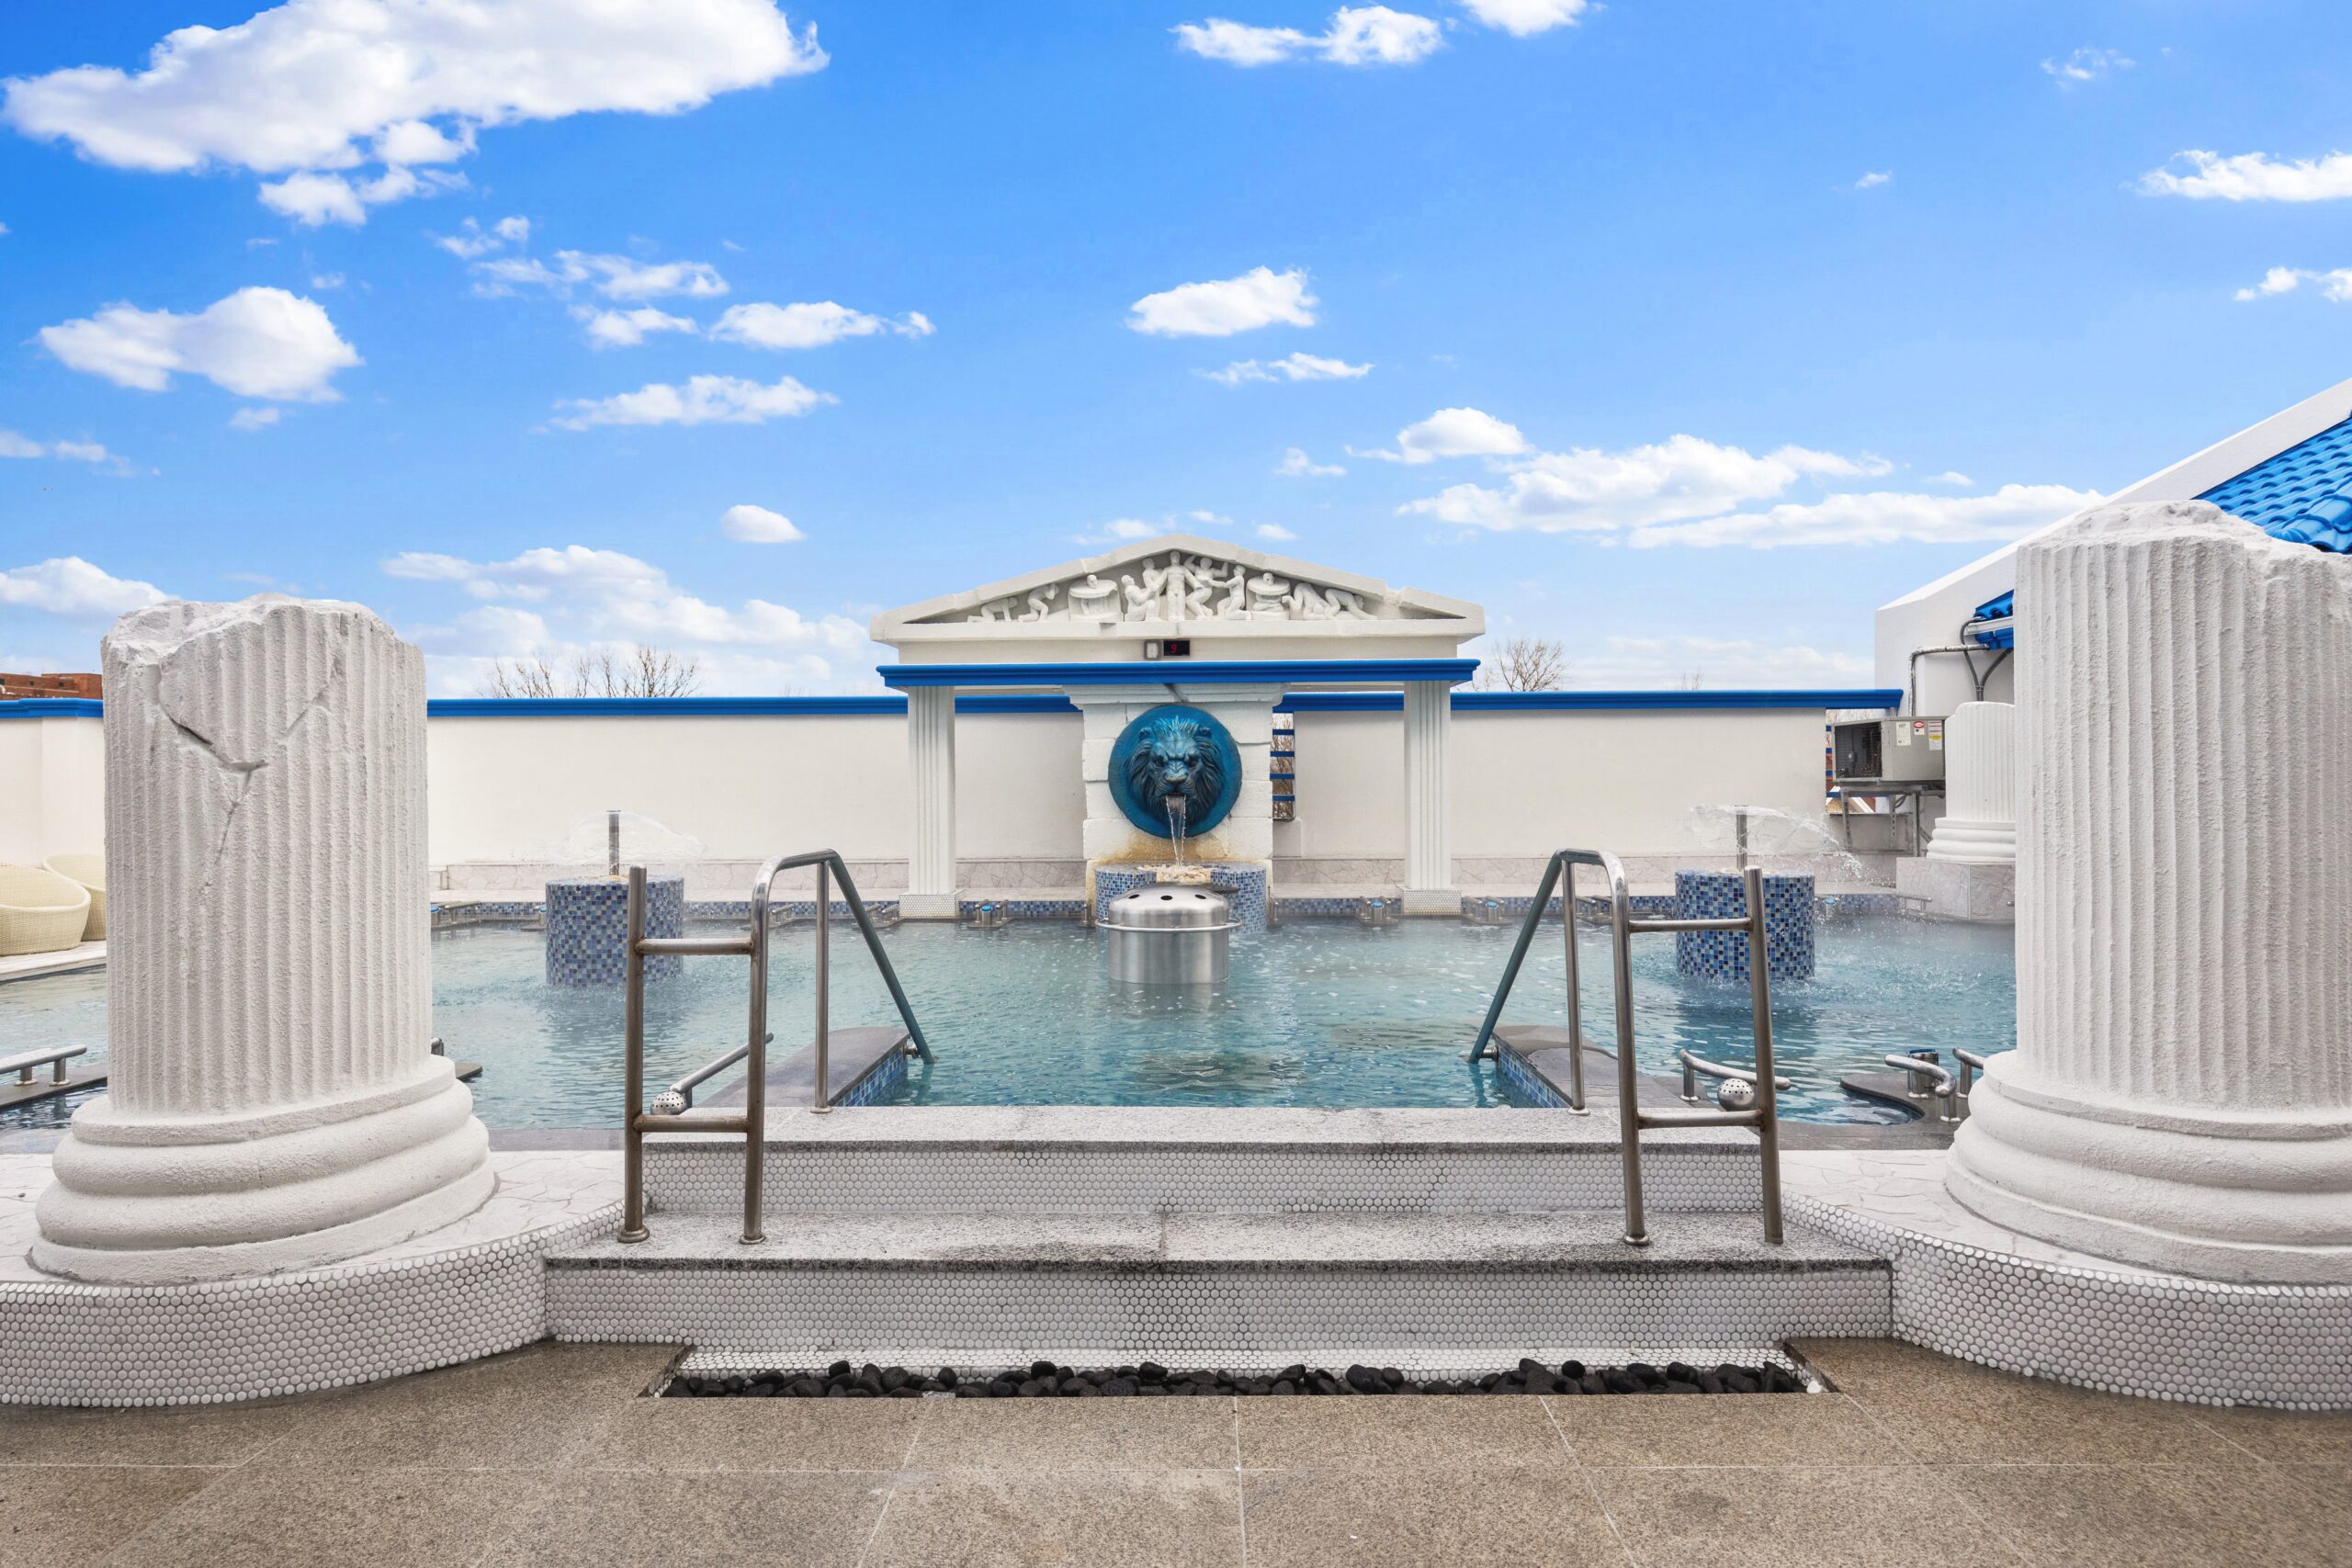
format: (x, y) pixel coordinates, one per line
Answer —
(1170, 935)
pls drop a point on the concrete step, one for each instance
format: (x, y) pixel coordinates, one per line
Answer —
(1100, 1160)
(1191, 1288)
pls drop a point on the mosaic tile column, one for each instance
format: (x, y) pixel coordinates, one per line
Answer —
(273, 1101)
(930, 764)
(1429, 888)
(2181, 1091)
(587, 929)
(1980, 820)
(1723, 955)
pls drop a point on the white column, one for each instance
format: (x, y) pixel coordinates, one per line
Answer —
(1429, 822)
(1980, 820)
(272, 1102)
(2181, 1093)
(931, 889)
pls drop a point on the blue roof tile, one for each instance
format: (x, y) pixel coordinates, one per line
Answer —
(2304, 494)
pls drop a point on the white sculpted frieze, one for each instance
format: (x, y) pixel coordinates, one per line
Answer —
(1183, 586)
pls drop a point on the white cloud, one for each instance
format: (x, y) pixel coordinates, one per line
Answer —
(2253, 177)
(2085, 65)
(614, 278)
(627, 329)
(68, 585)
(1258, 297)
(1120, 529)
(1952, 477)
(1358, 35)
(13, 445)
(253, 419)
(704, 400)
(314, 87)
(758, 525)
(1453, 433)
(1290, 367)
(581, 598)
(326, 282)
(476, 241)
(1297, 464)
(2335, 284)
(1585, 490)
(312, 199)
(1274, 533)
(1880, 517)
(257, 342)
(764, 325)
(1522, 18)
(1875, 178)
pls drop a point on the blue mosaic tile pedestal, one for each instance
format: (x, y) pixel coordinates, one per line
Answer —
(587, 925)
(1250, 882)
(1723, 955)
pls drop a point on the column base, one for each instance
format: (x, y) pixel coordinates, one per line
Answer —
(2255, 1199)
(1984, 843)
(930, 906)
(1432, 900)
(165, 1202)
(1959, 890)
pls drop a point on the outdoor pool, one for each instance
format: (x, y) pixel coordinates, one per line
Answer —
(1316, 1013)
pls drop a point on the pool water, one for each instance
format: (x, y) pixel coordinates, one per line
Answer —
(1316, 1013)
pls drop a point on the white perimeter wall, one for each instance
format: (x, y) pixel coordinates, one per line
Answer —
(1529, 781)
(506, 789)
(53, 788)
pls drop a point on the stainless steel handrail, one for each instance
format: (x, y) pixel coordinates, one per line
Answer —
(1764, 1115)
(1970, 1064)
(753, 945)
(54, 1057)
(1941, 1084)
(1693, 1065)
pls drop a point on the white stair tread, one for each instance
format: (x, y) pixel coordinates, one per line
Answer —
(1551, 1241)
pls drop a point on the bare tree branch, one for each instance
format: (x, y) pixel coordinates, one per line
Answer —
(1523, 664)
(641, 671)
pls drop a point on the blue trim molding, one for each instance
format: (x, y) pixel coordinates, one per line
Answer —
(1552, 702)
(1180, 673)
(53, 707)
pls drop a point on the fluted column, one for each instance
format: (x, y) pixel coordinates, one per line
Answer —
(930, 764)
(2181, 1093)
(272, 1097)
(1429, 823)
(1980, 820)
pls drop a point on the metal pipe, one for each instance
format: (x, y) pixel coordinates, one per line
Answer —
(1519, 952)
(1628, 1114)
(1942, 1085)
(1734, 924)
(881, 959)
(1768, 1099)
(1692, 1063)
(1970, 1064)
(704, 946)
(633, 1072)
(1576, 983)
(755, 1068)
(824, 979)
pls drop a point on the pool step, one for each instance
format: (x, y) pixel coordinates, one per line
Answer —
(1191, 1289)
(1097, 1160)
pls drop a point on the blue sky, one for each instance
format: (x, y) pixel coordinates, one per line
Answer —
(1685, 334)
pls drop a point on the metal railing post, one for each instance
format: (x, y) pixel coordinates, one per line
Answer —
(755, 1071)
(1768, 1099)
(1629, 1112)
(824, 985)
(1576, 985)
(633, 1075)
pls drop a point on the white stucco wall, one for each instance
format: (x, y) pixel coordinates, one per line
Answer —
(53, 788)
(506, 788)
(1527, 783)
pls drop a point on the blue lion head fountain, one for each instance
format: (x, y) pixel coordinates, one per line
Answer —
(1175, 754)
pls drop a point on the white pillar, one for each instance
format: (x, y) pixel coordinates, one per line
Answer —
(272, 1102)
(1429, 823)
(1980, 820)
(931, 889)
(2181, 1093)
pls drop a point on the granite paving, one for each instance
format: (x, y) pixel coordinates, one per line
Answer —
(552, 1455)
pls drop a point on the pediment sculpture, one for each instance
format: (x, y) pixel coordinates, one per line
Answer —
(1184, 586)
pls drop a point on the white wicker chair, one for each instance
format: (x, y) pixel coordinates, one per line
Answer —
(90, 870)
(39, 910)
